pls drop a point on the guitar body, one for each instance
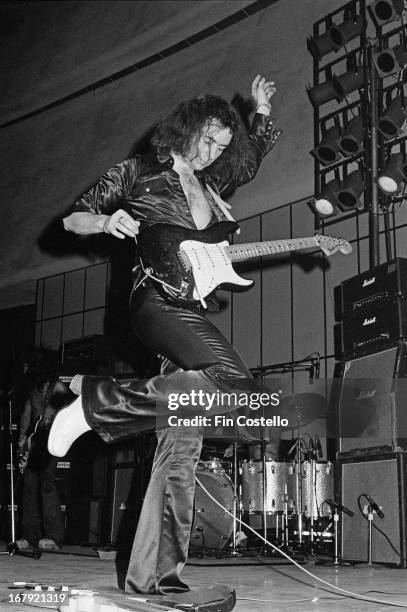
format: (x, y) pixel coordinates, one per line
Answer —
(190, 262)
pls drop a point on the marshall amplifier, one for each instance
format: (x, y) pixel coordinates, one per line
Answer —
(369, 329)
(88, 355)
(383, 478)
(370, 402)
(383, 283)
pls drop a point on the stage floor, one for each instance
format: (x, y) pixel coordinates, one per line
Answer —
(262, 584)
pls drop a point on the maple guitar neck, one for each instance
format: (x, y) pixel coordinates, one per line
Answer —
(250, 250)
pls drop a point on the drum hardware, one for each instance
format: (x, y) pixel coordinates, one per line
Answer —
(236, 504)
(335, 509)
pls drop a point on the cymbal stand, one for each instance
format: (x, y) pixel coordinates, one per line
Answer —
(236, 505)
(313, 502)
(298, 485)
(12, 548)
(264, 492)
(285, 516)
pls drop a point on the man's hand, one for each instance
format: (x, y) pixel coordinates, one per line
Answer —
(262, 92)
(121, 224)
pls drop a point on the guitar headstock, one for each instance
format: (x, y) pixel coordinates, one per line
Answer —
(330, 244)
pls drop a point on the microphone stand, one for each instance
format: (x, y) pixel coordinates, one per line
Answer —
(336, 561)
(12, 548)
(372, 508)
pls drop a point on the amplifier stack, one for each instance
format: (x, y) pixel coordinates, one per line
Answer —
(371, 417)
(372, 309)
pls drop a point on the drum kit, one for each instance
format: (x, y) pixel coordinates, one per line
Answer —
(292, 499)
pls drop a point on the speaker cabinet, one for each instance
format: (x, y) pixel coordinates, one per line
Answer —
(383, 478)
(370, 402)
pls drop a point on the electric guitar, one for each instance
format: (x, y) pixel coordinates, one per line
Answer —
(186, 265)
(25, 451)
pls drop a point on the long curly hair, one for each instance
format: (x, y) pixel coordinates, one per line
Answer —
(183, 126)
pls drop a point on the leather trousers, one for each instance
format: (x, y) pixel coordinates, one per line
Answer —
(195, 356)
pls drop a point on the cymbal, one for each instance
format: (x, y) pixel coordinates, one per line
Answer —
(303, 408)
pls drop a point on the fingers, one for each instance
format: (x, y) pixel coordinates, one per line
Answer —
(121, 224)
(255, 85)
(261, 86)
(270, 89)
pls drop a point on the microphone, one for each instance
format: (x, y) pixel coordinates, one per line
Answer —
(374, 506)
(341, 508)
(317, 368)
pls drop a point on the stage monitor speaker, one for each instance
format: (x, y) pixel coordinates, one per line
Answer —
(370, 402)
(383, 478)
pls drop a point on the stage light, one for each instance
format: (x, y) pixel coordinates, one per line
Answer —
(390, 61)
(393, 122)
(351, 189)
(348, 82)
(326, 202)
(324, 92)
(387, 10)
(351, 140)
(327, 151)
(390, 180)
(321, 45)
(349, 29)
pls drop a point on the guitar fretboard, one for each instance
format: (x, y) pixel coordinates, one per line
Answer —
(240, 252)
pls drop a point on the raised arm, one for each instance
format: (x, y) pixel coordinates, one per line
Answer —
(98, 210)
(262, 136)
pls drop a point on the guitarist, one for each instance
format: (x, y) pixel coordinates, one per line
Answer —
(42, 525)
(200, 151)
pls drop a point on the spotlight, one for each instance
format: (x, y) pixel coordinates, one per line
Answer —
(393, 121)
(349, 29)
(394, 174)
(387, 10)
(389, 61)
(350, 191)
(348, 82)
(351, 140)
(324, 92)
(327, 150)
(320, 46)
(326, 202)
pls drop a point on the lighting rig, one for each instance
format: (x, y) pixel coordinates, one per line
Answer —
(360, 114)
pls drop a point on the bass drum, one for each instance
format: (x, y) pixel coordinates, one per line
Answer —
(212, 527)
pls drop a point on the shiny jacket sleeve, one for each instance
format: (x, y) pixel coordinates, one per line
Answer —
(262, 137)
(106, 196)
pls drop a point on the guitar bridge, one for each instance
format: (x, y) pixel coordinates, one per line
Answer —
(184, 259)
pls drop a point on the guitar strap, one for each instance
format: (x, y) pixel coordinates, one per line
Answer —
(222, 205)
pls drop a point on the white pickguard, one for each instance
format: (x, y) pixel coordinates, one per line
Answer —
(210, 267)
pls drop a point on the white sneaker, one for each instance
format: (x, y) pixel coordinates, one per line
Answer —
(48, 544)
(22, 544)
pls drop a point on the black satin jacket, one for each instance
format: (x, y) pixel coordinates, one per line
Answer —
(151, 192)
